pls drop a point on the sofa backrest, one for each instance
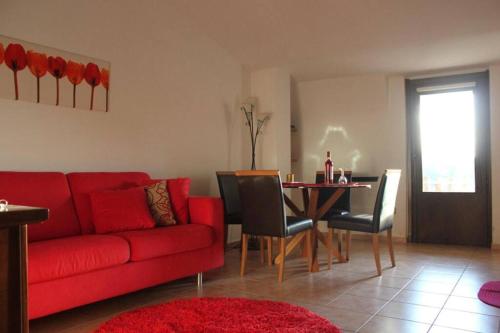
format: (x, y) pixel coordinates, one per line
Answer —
(42, 189)
(83, 183)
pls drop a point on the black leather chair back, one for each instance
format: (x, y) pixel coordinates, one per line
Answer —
(263, 207)
(383, 214)
(342, 204)
(229, 192)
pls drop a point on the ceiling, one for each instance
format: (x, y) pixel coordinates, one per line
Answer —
(323, 38)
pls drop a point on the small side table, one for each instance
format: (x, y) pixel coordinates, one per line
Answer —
(13, 262)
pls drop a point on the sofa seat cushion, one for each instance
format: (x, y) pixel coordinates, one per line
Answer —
(162, 241)
(59, 258)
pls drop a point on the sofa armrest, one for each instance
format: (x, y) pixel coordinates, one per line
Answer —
(208, 211)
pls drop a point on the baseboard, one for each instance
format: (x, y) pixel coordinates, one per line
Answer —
(495, 247)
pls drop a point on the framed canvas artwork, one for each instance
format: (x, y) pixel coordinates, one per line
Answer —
(41, 74)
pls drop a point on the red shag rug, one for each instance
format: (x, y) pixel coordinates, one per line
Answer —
(490, 293)
(219, 315)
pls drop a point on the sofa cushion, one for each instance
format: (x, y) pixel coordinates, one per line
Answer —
(42, 189)
(120, 210)
(83, 183)
(162, 241)
(59, 258)
(159, 203)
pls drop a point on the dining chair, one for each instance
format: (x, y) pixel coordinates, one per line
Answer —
(263, 212)
(343, 204)
(381, 219)
(229, 192)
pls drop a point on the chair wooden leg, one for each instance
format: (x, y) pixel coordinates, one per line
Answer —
(376, 253)
(391, 249)
(330, 247)
(244, 251)
(309, 247)
(281, 270)
(226, 231)
(339, 243)
(241, 241)
(347, 244)
(262, 249)
(269, 251)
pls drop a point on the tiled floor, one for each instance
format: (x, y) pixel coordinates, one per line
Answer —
(432, 289)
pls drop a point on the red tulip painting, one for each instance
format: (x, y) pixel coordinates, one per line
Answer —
(75, 72)
(93, 78)
(38, 65)
(15, 59)
(105, 84)
(33, 69)
(1, 53)
(57, 67)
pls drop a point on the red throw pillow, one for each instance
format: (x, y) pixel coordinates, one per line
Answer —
(178, 190)
(120, 210)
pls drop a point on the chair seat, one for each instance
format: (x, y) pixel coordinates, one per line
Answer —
(295, 224)
(340, 212)
(361, 222)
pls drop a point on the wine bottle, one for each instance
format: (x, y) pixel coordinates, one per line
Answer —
(328, 169)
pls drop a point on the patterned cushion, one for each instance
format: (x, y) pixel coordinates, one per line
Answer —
(159, 203)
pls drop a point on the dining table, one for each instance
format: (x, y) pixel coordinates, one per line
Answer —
(310, 195)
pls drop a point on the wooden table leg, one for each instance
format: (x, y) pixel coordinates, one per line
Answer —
(315, 213)
(311, 213)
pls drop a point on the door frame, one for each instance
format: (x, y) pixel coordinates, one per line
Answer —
(413, 137)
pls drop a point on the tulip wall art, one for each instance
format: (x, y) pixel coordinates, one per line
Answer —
(40, 74)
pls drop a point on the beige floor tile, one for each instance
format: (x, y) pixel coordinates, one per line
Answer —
(443, 269)
(356, 303)
(388, 281)
(343, 318)
(441, 329)
(466, 289)
(413, 312)
(421, 298)
(383, 293)
(468, 321)
(471, 305)
(430, 287)
(438, 277)
(391, 325)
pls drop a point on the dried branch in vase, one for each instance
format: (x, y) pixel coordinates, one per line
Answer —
(248, 110)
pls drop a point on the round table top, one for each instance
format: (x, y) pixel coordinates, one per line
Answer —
(323, 185)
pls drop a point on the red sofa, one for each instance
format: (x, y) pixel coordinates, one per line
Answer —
(69, 265)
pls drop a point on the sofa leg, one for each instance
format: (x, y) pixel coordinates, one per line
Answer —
(199, 280)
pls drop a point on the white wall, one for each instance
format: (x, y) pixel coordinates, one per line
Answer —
(173, 94)
(361, 119)
(271, 87)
